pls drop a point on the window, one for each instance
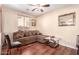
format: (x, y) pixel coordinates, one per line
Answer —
(27, 22)
(23, 21)
(20, 21)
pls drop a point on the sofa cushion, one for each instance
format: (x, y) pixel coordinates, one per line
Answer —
(33, 32)
(30, 33)
(37, 32)
(27, 40)
(18, 34)
(26, 33)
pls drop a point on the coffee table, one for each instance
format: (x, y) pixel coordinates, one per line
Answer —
(53, 42)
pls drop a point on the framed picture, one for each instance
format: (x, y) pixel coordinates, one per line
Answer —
(33, 22)
(67, 19)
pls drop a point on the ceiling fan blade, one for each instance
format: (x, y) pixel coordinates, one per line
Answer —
(34, 9)
(47, 5)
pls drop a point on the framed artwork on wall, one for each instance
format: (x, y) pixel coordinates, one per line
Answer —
(67, 19)
(33, 22)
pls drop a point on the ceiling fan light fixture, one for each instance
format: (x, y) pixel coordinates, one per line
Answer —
(39, 7)
(41, 10)
(36, 9)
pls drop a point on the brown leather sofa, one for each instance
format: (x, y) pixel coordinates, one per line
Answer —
(27, 37)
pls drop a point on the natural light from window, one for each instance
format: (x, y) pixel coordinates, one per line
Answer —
(23, 21)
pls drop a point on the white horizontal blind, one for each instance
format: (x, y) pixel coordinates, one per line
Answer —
(23, 22)
(20, 21)
(27, 22)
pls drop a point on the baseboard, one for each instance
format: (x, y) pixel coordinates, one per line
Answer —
(69, 46)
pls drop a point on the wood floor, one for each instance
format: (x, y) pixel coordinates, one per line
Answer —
(42, 49)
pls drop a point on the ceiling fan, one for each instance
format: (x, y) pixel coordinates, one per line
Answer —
(39, 7)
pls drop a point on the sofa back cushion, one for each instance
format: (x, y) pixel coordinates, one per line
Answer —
(34, 32)
(26, 33)
(18, 34)
(37, 33)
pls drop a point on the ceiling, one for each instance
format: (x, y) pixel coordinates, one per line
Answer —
(26, 8)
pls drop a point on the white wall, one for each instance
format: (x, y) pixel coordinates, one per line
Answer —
(48, 25)
(9, 21)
